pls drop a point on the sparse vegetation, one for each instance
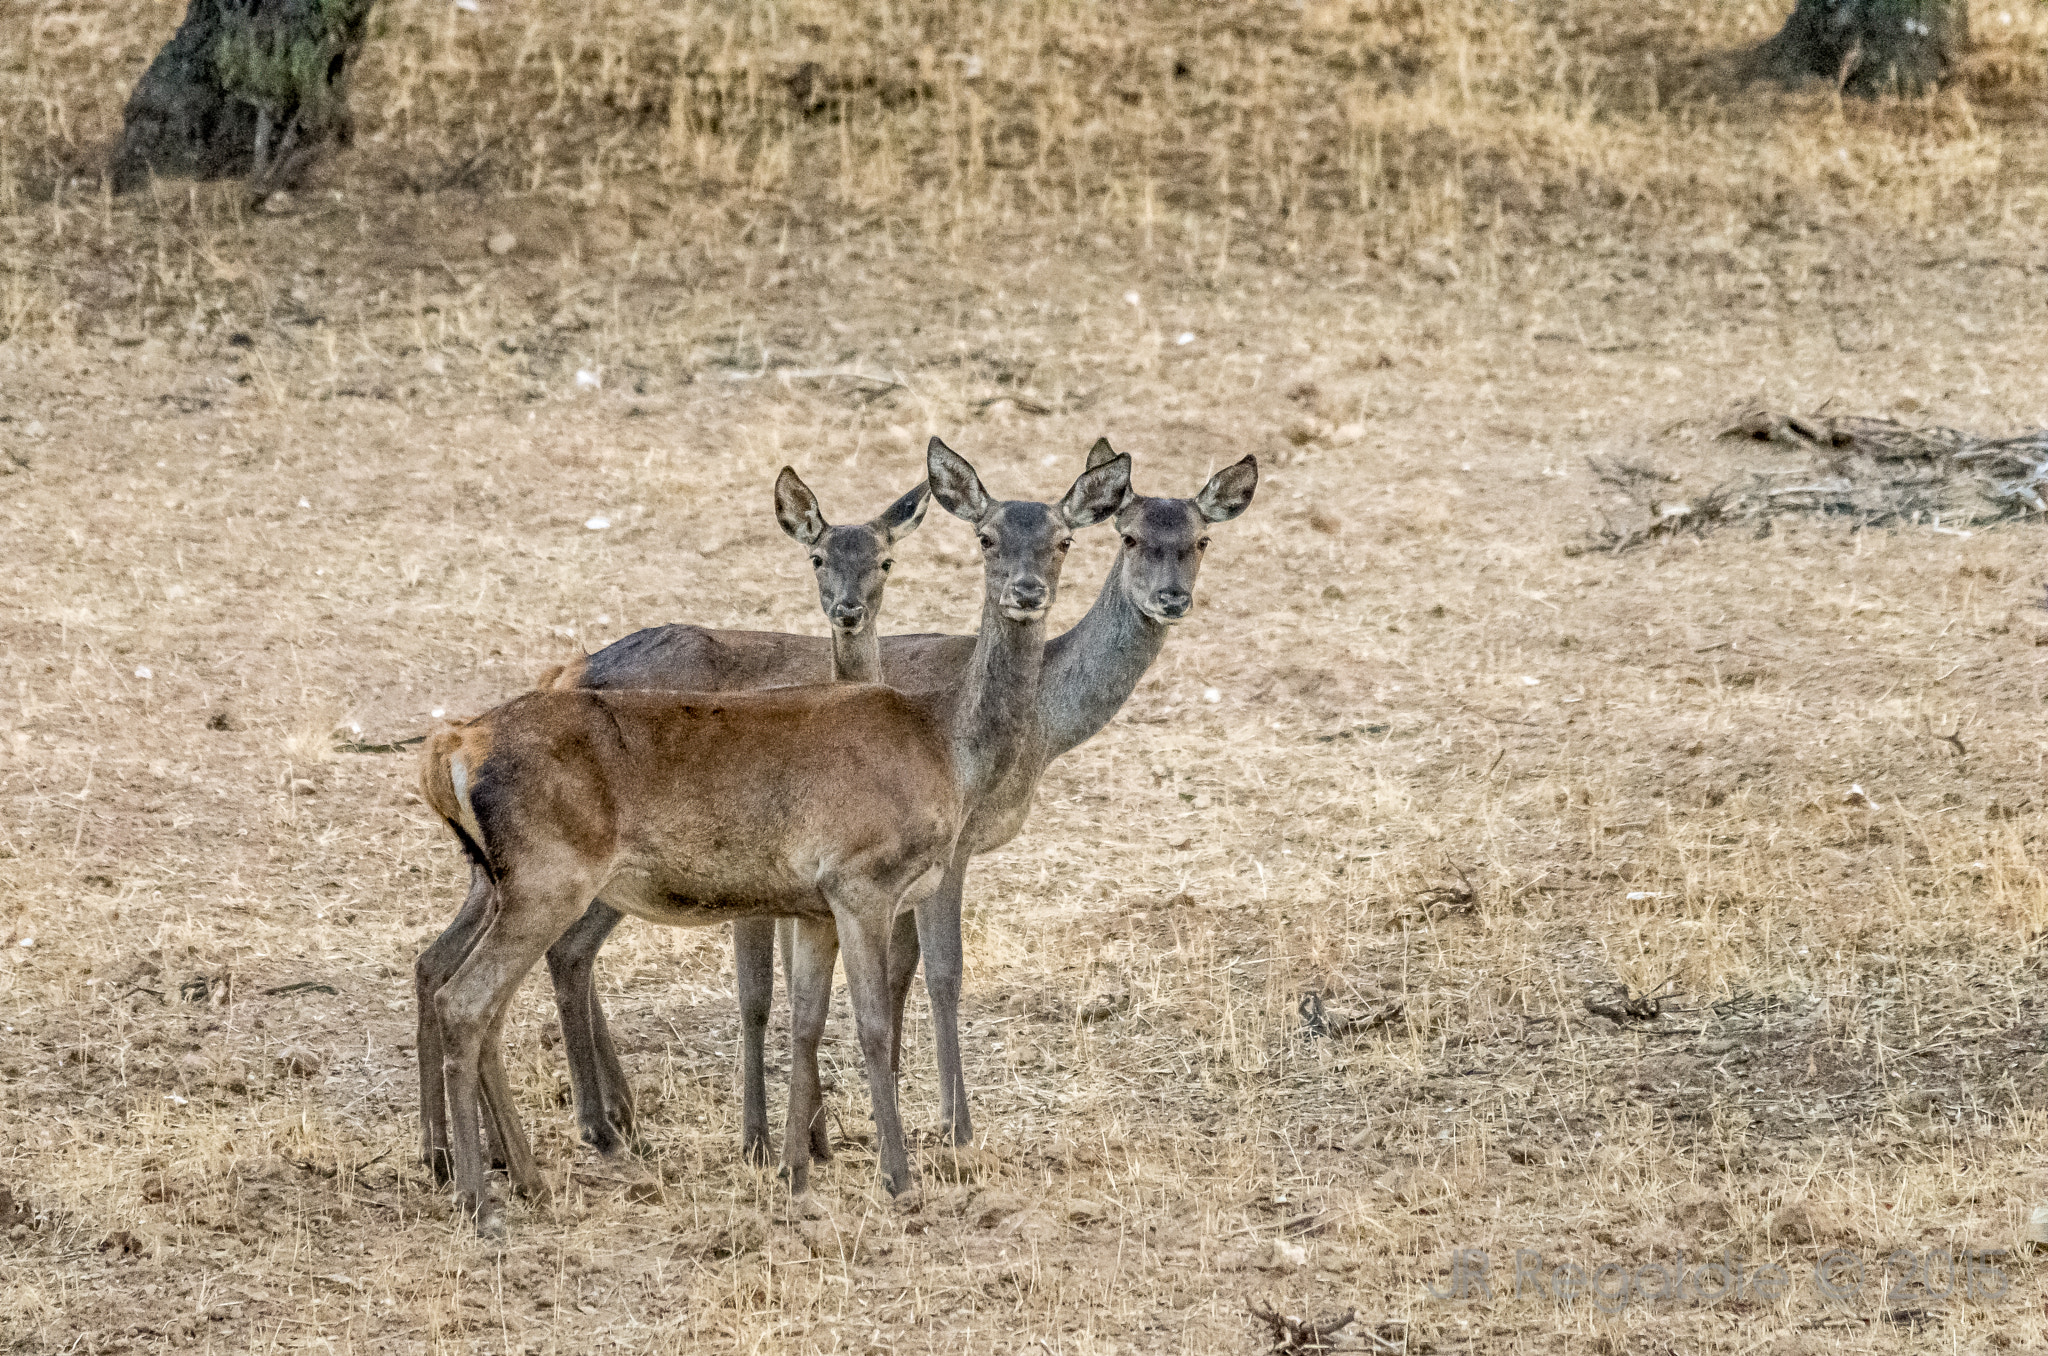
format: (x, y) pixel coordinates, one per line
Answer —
(282, 483)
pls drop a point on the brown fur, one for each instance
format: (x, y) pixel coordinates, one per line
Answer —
(659, 793)
(562, 677)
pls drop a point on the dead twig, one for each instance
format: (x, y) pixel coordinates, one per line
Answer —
(1317, 1020)
(1878, 472)
(1619, 1005)
(396, 746)
(1291, 1333)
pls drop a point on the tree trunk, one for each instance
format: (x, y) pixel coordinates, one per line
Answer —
(251, 87)
(1869, 47)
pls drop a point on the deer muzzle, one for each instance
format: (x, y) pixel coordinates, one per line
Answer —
(1026, 601)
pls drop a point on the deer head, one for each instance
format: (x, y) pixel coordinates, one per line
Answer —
(1024, 543)
(852, 563)
(1164, 538)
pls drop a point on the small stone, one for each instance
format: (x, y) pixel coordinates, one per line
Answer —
(1104, 1006)
(1324, 521)
(502, 243)
(278, 204)
(1288, 1256)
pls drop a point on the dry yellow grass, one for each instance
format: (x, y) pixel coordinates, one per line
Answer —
(274, 474)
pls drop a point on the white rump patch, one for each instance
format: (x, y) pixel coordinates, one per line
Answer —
(458, 775)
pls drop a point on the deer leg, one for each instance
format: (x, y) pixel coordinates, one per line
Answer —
(903, 953)
(597, 1081)
(864, 913)
(938, 932)
(430, 972)
(753, 958)
(507, 1138)
(531, 914)
(812, 950)
(618, 1091)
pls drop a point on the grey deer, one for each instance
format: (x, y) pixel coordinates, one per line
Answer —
(844, 801)
(1090, 671)
(852, 565)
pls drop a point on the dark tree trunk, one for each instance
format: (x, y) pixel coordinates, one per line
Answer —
(252, 87)
(1869, 47)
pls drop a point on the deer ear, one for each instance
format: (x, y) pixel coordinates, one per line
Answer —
(796, 508)
(1100, 453)
(1229, 491)
(1098, 493)
(954, 484)
(901, 518)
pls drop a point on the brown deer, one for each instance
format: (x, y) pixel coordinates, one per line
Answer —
(843, 802)
(1090, 671)
(852, 565)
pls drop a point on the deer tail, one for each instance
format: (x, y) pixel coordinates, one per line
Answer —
(447, 775)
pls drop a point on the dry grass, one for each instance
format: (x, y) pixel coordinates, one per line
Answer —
(272, 475)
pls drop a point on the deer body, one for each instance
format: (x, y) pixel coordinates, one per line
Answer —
(658, 795)
(691, 808)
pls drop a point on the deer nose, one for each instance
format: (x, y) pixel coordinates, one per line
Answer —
(1173, 602)
(1028, 596)
(848, 615)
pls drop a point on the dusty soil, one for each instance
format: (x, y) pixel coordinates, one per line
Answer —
(281, 482)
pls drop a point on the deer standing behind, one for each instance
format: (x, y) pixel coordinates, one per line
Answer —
(1090, 671)
(844, 802)
(851, 565)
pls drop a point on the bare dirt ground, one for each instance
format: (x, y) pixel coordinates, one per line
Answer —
(281, 482)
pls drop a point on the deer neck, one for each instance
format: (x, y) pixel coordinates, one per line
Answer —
(1091, 670)
(995, 722)
(857, 655)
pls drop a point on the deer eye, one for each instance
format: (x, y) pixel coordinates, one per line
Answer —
(988, 543)
(1202, 545)
(888, 565)
(1067, 543)
(817, 562)
(1130, 542)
